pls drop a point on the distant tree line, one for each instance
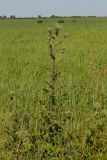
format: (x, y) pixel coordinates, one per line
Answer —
(52, 16)
(11, 17)
(2, 17)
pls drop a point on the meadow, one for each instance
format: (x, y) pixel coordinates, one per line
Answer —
(77, 129)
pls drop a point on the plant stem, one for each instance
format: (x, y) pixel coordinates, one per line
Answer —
(53, 79)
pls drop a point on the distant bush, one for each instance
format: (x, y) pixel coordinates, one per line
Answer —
(39, 21)
(0, 17)
(44, 17)
(74, 20)
(39, 16)
(91, 16)
(4, 17)
(76, 16)
(12, 17)
(53, 16)
(61, 21)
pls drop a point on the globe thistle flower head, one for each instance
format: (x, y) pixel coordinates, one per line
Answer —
(50, 31)
(65, 35)
(57, 29)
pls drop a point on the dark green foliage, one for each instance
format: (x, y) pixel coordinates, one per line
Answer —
(61, 21)
(40, 21)
(74, 20)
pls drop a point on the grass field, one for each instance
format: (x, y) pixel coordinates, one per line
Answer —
(77, 130)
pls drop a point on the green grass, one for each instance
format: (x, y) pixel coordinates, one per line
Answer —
(81, 89)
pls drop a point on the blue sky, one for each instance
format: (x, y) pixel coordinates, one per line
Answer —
(25, 8)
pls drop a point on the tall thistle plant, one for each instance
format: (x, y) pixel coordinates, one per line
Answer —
(54, 43)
